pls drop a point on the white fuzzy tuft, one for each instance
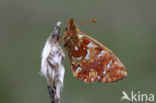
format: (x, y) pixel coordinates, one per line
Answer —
(58, 23)
(51, 64)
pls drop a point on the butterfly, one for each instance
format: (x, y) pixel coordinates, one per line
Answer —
(89, 59)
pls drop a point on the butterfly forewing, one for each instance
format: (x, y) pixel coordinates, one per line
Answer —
(91, 61)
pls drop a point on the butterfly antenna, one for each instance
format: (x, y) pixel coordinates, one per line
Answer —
(86, 22)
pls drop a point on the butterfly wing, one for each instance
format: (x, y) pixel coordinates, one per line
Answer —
(91, 61)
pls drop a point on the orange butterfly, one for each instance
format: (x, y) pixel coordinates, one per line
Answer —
(90, 60)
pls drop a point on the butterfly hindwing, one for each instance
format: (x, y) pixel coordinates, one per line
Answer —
(91, 61)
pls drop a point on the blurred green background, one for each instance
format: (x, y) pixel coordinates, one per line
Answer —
(127, 27)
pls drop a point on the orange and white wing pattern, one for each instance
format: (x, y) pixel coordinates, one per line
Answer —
(90, 60)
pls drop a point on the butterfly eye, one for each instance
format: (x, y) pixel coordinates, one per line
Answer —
(66, 28)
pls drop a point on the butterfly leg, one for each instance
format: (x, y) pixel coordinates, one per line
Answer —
(66, 47)
(60, 40)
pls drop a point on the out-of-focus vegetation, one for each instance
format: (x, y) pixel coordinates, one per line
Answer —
(128, 28)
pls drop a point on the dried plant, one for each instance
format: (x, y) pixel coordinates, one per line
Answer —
(51, 65)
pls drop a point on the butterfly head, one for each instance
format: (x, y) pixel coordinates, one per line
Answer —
(71, 26)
